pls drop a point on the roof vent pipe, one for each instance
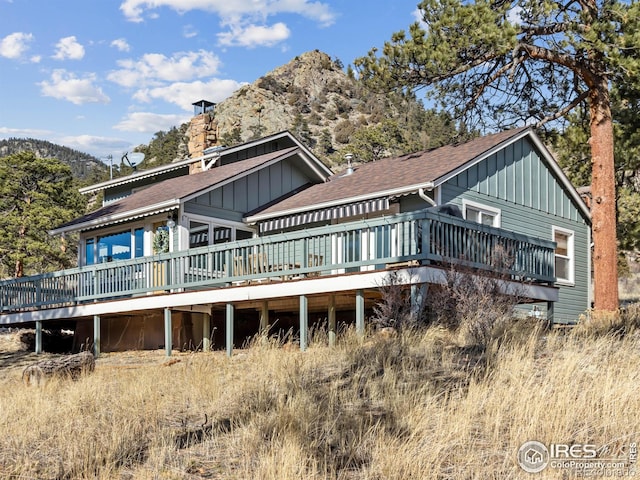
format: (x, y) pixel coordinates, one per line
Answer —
(348, 157)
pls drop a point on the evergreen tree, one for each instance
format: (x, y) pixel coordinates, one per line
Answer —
(571, 147)
(36, 195)
(505, 62)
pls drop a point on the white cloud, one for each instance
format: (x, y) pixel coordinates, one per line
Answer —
(14, 45)
(417, 16)
(145, 122)
(35, 59)
(321, 12)
(155, 68)
(254, 35)
(67, 86)
(96, 144)
(69, 48)
(189, 31)
(121, 44)
(7, 132)
(514, 15)
(184, 94)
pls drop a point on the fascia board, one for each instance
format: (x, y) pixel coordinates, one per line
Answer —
(120, 217)
(360, 198)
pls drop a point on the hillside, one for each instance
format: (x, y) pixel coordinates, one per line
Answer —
(326, 108)
(417, 407)
(86, 168)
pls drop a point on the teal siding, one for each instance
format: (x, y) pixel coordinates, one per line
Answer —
(235, 199)
(121, 191)
(532, 201)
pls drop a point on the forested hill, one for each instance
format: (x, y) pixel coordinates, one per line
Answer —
(86, 168)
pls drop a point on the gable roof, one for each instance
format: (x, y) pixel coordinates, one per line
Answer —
(407, 174)
(323, 170)
(168, 194)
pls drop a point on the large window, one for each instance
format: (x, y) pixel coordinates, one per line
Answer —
(476, 212)
(564, 255)
(203, 233)
(121, 245)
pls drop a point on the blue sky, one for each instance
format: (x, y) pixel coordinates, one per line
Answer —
(102, 76)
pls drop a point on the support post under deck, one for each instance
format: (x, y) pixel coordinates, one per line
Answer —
(168, 333)
(96, 335)
(332, 320)
(229, 336)
(360, 313)
(304, 322)
(38, 338)
(206, 332)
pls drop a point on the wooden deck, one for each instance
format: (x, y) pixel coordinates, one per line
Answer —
(415, 240)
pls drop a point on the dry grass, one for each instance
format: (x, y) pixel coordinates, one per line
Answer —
(413, 407)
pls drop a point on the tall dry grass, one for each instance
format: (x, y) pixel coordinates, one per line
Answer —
(418, 406)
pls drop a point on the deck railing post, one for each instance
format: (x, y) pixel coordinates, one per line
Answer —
(424, 234)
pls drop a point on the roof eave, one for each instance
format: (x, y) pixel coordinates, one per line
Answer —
(119, 218)
(319, 166)
(383, 193)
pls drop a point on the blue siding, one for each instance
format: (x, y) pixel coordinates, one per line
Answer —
(532, 200)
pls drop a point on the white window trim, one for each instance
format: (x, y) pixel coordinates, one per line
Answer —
(571, 254)
(486, 208)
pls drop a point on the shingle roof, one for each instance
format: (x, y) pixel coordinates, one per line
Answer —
(160, 195)
(388, 174)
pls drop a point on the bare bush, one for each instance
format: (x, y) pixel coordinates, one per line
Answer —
(473, 302)
(396, 307)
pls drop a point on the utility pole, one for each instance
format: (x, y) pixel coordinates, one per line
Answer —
(110, 157)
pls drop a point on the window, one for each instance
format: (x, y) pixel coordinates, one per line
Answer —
(202, 233)
(198, 234)
(114, 246)
(221, 234)
(479, 213)
(89, 251)
(563, 255)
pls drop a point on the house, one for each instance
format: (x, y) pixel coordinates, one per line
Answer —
(218, 248)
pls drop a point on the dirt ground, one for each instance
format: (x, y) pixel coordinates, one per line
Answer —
(16, 353)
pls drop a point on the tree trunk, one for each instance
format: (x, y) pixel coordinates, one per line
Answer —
(70, 366)
(603, 205)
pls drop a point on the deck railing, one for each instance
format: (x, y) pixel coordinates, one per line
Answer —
(415, 238)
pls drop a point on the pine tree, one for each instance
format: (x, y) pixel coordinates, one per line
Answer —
(35, 195)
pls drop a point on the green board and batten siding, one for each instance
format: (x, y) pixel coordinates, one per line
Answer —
(233, 200)
(532, 201)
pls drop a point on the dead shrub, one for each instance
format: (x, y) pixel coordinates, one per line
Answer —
(474, 303)
(396, 308)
